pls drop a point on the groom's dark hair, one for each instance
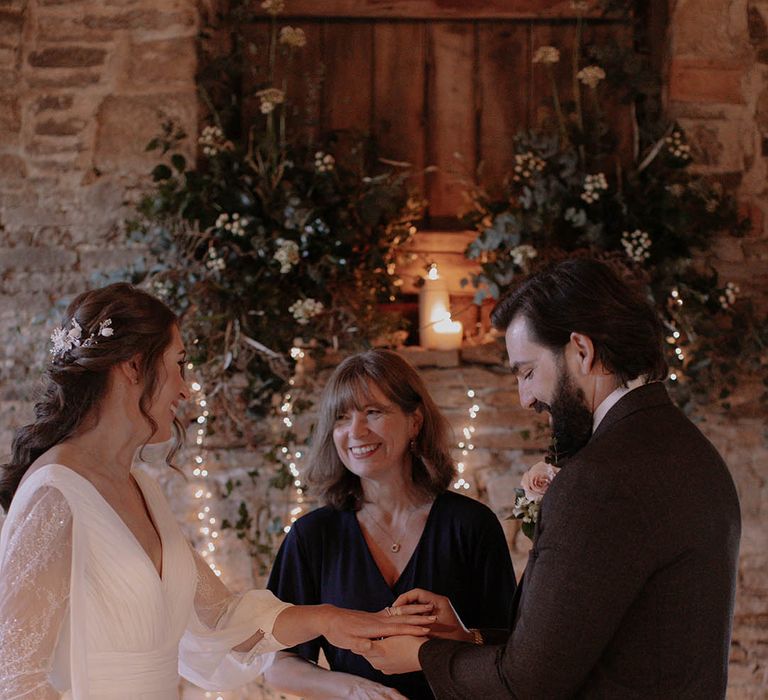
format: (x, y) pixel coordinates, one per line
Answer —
(585, 296)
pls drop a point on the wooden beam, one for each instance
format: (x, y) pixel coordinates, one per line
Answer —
(435, 9)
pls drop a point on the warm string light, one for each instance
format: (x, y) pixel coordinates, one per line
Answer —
(203, 496)
(290, 456)
(674, 337)
(465, 444)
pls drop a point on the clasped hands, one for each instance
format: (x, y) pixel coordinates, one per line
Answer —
(400, 653)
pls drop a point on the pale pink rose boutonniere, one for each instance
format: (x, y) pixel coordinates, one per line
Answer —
(534, 483)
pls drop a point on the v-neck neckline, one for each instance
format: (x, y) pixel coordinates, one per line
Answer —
(150, 513)
(393, 588)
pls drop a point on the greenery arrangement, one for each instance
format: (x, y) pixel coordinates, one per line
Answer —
(569, 192)
(269, 242)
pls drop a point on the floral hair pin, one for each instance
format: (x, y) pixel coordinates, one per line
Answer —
(63, 340)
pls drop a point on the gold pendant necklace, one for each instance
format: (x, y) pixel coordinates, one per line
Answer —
(396, 545)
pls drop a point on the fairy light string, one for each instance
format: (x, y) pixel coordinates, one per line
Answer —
(466, 444)
(207, 522)
(287, 452)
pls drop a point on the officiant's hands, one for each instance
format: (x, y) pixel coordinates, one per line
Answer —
(447, 624)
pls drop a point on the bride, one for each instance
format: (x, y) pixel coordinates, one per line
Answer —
(101, 596)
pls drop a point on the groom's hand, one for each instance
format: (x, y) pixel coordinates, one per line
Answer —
(395, 654)
(447, 625)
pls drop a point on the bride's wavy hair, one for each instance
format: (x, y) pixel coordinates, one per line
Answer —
(77, 380)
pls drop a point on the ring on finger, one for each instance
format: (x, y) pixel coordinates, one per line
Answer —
(388, 611)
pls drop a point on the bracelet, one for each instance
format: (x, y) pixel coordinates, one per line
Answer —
(477, 637)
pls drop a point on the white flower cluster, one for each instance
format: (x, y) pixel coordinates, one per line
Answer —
(637, 245)
(212, 140)
(274, 7)
(162, 288)
(676, 189)
(728, 298)
(521, 254)
(63, 340)
(215, 262)
(593, 185)
(305, 309)
(234, 224)
(293, 37)
(591, 75)
(546, 54)
(324, 162)
(287, 254)
(270, 98)
(526, 509)
(526, 164)
(677, 146)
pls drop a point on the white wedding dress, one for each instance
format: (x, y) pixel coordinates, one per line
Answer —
(84, 614)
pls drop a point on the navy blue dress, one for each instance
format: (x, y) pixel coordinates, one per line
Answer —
(462, 554)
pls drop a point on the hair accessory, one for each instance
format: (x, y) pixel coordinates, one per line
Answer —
(63, 340)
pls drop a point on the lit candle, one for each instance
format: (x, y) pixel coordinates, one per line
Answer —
(448, 334)
(433, 307)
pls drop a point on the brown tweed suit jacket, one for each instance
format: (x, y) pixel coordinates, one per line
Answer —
(629, 587)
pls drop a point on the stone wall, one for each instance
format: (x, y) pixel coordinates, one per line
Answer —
(85, 84)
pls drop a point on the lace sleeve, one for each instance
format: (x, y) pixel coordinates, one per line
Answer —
(35, 564)
(223, 621)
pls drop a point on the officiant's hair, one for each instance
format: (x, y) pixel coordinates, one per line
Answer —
(584, 295)
(348, 388)
(77, 380)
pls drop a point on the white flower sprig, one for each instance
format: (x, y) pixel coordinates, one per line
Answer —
(269, 99)
(593, 185)
(273, 7)
(521, 254)
(546, 54)
(526, 165)
(728, 298)
(215, 262)
(212, 140)
(293, 37)
(637, 245)
(677, 146)
(305, 309)
(287, 254)
(591, 76)
(63, 340)
(232, 223)
(324, 162)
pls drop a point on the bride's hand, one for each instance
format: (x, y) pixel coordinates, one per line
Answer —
(363, 689)
(354, 630)
(447, 625)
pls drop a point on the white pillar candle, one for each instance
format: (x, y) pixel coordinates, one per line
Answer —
(434, 304)
(448, 334)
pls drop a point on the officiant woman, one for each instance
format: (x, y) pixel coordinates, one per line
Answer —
(381, 464)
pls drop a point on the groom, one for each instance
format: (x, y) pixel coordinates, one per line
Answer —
(629, 587)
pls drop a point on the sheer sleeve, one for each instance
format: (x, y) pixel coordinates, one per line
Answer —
(222, 621)
(35, 565)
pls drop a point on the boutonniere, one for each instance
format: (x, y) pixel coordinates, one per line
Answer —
(534, 485)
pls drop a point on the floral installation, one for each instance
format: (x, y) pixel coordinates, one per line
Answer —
(263, 207)
(533, 486)
(573, 190)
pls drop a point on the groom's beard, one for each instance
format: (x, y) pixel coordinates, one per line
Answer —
(571, 419)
